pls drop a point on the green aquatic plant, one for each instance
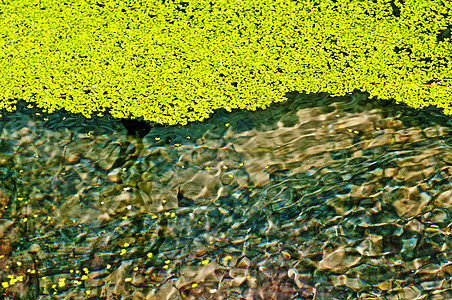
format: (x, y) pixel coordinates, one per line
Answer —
(178, 62)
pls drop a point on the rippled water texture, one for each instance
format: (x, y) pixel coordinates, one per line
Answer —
(315, 198)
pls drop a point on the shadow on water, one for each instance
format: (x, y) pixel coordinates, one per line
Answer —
(313, 198)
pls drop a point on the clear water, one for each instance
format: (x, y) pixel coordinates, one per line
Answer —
(315, 198)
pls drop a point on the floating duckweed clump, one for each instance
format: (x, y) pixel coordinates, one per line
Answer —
(177, 62)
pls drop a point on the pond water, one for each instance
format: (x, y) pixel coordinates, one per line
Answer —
(314, 198)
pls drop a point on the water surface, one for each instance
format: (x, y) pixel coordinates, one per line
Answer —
(315, 198)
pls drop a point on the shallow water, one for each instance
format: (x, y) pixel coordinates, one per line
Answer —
(315, 198)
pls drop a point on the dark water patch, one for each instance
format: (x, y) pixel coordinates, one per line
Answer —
(138, 128)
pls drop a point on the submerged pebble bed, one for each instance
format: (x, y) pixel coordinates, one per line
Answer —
(315, 198)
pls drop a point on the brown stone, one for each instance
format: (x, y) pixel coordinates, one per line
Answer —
(4, 201)
(5, 247)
